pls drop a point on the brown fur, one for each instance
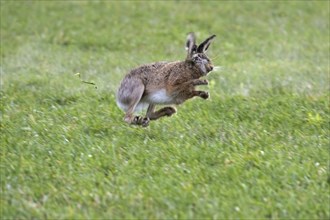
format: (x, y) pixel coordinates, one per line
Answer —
(164, 83)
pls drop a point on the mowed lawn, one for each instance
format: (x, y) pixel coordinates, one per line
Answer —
(258, 148)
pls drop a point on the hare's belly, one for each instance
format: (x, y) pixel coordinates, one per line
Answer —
(159, 97)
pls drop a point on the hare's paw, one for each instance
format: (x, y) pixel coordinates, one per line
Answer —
(145, 122)
(205, 82)
(199, 82)
(169, 111)
(138, 120)
(204, 95)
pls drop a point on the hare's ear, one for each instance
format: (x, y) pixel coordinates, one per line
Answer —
(202, 48)
(191, 45)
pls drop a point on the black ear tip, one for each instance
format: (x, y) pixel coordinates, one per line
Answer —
(194, 48)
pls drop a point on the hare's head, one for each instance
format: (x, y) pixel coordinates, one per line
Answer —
(196, 54)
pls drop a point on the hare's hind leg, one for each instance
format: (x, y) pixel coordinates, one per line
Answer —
(131, 97)
(154, 115)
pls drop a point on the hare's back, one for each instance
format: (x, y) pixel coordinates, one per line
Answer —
(145, 70)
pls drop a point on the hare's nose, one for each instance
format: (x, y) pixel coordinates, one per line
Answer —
(211, 68)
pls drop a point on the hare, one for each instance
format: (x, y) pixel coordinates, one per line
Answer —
(164, 83)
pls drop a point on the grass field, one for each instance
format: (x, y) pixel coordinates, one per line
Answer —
(258, 148)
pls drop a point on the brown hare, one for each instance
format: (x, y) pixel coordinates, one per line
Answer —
(164, 83)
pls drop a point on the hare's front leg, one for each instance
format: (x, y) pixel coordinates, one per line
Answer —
(202, 94)
(191, 87)
(199, 82)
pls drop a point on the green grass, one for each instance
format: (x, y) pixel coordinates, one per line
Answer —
(259, 148)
